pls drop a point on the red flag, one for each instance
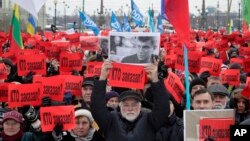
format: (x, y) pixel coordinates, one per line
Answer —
(177, 12)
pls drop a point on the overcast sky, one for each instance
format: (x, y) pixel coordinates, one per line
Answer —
(115, 5)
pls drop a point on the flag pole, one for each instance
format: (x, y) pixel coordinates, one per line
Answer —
(188, 105)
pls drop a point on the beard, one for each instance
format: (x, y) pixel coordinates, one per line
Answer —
(219, 106)
(130, 116)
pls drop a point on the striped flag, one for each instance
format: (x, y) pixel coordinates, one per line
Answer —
(15, 32)
(31, 27)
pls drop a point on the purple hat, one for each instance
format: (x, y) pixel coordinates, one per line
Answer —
(13, 115)
(111, 94)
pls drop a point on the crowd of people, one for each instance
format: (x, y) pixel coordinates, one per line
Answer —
(105, 113)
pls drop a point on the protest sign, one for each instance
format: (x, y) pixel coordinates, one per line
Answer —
(74, 39)
(89, 43)
(127, 76)
(211, 64)
(24, 94)
(244, 51)
(192, 119)
(217, 128)
(246, 65)
(231, 77)
(73, 84)
(3, 71)
(170, 60)
(93, 69)
(50, 116)
(246, 90)
(52, 87)
(70, 61)
(132, 47)
(43, 45)
(237, 60)
(174, 86)
(31, 62)
(4, 92)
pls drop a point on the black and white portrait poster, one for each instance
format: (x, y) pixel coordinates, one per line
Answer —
(104, 43)
(133, 47)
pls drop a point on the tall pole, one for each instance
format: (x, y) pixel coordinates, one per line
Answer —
(229, 3)
(218, 22)
(239, 17)
(55, 1)
(203, 15)
(83, 5)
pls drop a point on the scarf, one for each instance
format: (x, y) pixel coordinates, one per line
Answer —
(16, 137)
(88, 137)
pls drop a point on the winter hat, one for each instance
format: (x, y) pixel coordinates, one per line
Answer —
(196, 81)
(88, 81)
(13, 115)
(7, 61)
(218, 89)
(84, 112)
(130, 94)
(111, 94)
(204, 75)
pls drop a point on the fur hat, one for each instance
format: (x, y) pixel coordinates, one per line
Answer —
(84, 112)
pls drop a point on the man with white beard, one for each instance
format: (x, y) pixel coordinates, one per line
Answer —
(220, 96)
(130, 124)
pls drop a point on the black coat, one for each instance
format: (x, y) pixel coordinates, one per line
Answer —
(173, 131)
(116, 128)
(96, 137)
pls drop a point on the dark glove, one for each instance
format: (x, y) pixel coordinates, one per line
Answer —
(46, 101)
(29, 113)
(58, 128)
(28, 78)
(67, 98)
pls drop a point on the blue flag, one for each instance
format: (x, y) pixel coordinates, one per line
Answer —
(159, 23)
(164, 16)
(88, 23)
(115, 23)
(151, 21)
(126, 26)
(136, 14)
(31, 27)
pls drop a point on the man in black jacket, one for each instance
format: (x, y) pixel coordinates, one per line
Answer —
(131, 124)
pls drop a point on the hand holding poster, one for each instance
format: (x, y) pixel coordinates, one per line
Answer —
(174, 86)
(4, 92)
(211, 64)
(50, 116)
(31, 62)
(231, 77)
(70, 61)
(127, 76)
(93, 69)
(24, 94)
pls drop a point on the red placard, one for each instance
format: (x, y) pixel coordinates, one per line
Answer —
(93, 69)
(170, 60)
(52, 87)
(24, 94)
(211, 64)
(174, 86)
(217, 128)
(237, 60)
(32, 62)
(244, 51)
(73, 84)
(43, 45)
(28, 51)
(4, 92)
(127, 76)
(70, 61)
(74, 38)
(246, 65)
(231, 77)
(50, 116)
(246, 90)
(3, 71)
(89, 43)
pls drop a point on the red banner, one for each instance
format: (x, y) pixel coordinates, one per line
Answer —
(52, 87)
(127, 76)
(174, 86)
(231, 77)
(43, 45)
(93, 69)
(70, 61)
(4, 92)
(74, 38)
(24, 94)
(212, 65)
(50, 116)
(218, 128)
(32, 62)
(73, 83)
(28, 51)
(89, 43)
(3, 71)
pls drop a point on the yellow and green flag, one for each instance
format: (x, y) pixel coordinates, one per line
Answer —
(246, 11)
(16, 41)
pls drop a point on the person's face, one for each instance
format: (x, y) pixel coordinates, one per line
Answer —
(196, 88)
(202, 102)
(220, 101)
(144, 50)
(117, 40)
(113, 102)
(86, 92)
(8, 69)
(130, 109)
(82, 126)
(11, 127)
(241, 105)
(213, 81)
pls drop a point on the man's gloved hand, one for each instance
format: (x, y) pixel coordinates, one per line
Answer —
(46, 101)
(58, 128)
(28, 78)
(29, 113)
